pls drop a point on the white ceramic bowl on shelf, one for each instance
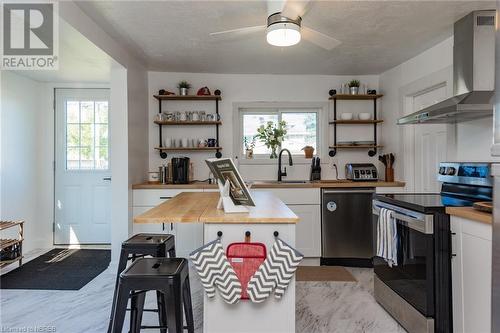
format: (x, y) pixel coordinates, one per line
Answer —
(364, 116)
(346, 116)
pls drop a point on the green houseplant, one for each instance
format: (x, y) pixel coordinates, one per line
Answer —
(272, 135)
(354, 87)
(184, 87)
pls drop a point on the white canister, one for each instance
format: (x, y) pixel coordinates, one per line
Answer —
(167, 142)
(195, 116)
(183, 116)
(184, 142)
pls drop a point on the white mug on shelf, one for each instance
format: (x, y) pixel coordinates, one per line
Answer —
(185, 142)
(195, 116)
(167, 142)
(183, 116)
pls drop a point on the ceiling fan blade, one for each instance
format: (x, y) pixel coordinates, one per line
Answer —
(319, 38)
(237, 32)
(294, 8)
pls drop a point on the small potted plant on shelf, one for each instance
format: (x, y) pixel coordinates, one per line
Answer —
(249, 146)
(184, 87)
(272, 135)
(354, 87)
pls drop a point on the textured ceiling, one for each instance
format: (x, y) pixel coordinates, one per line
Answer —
(79, 60)
(375, 35)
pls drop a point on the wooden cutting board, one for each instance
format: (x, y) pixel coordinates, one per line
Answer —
(484, 206)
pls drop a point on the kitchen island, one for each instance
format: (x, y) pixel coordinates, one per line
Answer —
(269, 215)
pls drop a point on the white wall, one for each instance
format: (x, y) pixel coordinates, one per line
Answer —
(21, 114)
(236, 88)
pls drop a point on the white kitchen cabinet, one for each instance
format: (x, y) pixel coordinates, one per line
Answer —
(471, 275)
(308, 230)
(305, 203)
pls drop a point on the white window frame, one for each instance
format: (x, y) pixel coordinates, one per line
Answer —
(239, 109)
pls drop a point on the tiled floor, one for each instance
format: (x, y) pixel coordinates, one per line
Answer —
(321, 307)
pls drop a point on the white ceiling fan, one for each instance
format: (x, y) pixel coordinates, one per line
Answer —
(284, 26)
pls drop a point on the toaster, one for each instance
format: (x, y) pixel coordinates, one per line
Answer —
(361, 171)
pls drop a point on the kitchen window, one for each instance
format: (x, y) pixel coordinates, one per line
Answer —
(302, 126)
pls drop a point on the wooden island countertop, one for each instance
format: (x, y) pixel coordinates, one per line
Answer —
(202, 207)
(471, 214)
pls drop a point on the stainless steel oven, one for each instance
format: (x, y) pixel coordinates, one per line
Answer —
(413, 277)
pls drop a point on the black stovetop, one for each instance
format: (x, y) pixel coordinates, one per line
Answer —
(424, 202)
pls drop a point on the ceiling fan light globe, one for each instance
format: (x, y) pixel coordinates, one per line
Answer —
(283, 34)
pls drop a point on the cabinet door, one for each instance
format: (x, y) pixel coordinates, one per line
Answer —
(476, 283)
(308, 229)
(456, 275)
(188, 237)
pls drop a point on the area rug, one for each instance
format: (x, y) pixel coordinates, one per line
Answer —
(58, 269)
(324, 273)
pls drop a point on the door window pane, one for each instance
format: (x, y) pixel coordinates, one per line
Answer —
(301, 131)
(87, 141)
(250, 124)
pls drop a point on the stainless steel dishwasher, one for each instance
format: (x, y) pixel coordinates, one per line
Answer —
(346, 227)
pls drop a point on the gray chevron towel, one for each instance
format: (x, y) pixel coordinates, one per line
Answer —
(215, 271)
(275, 272)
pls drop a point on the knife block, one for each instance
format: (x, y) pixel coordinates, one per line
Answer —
(389, 174)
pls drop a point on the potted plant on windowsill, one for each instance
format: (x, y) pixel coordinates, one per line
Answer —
(184, 87)
(272, 135)
(354, 87)
(249, 146)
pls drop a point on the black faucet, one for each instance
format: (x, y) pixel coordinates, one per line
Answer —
(290, 163)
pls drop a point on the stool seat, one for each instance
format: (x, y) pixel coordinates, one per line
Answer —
(145, 240)
(150, 267)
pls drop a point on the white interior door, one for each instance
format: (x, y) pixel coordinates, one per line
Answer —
(430, 143)
(82, 170)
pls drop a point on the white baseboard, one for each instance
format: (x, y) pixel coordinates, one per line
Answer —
(310, 262)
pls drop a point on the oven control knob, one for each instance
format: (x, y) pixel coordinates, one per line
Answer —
(442, 171)
(331, 206)
(450, 171)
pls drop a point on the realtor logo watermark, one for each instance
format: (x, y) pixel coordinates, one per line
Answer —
(30, 35)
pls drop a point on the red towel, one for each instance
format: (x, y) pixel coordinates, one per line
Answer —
(245, 258)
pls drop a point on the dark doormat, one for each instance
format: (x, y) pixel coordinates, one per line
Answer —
(58, 269)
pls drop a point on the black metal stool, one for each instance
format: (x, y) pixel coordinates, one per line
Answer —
(169, 276)
(140, 245)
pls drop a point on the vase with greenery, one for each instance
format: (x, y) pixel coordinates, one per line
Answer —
(354, 87)
(249, 146)
(184, 87)
(272, 135)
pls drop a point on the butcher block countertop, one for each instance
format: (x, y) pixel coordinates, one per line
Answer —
(274, 184)
(202, 207)
(470, 214)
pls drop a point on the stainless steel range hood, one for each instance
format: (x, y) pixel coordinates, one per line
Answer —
(473, 74)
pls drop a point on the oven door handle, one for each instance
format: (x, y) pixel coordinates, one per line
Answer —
(424, 225)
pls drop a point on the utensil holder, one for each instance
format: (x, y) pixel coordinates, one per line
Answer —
(389, 174)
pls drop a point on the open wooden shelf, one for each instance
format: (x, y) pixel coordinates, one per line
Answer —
(188, 122)
(189, 149)
(355, 146)
(356, 122)
(7, 262)
(188, 97)
(9, 224)
(6, 242)
(355, 97)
